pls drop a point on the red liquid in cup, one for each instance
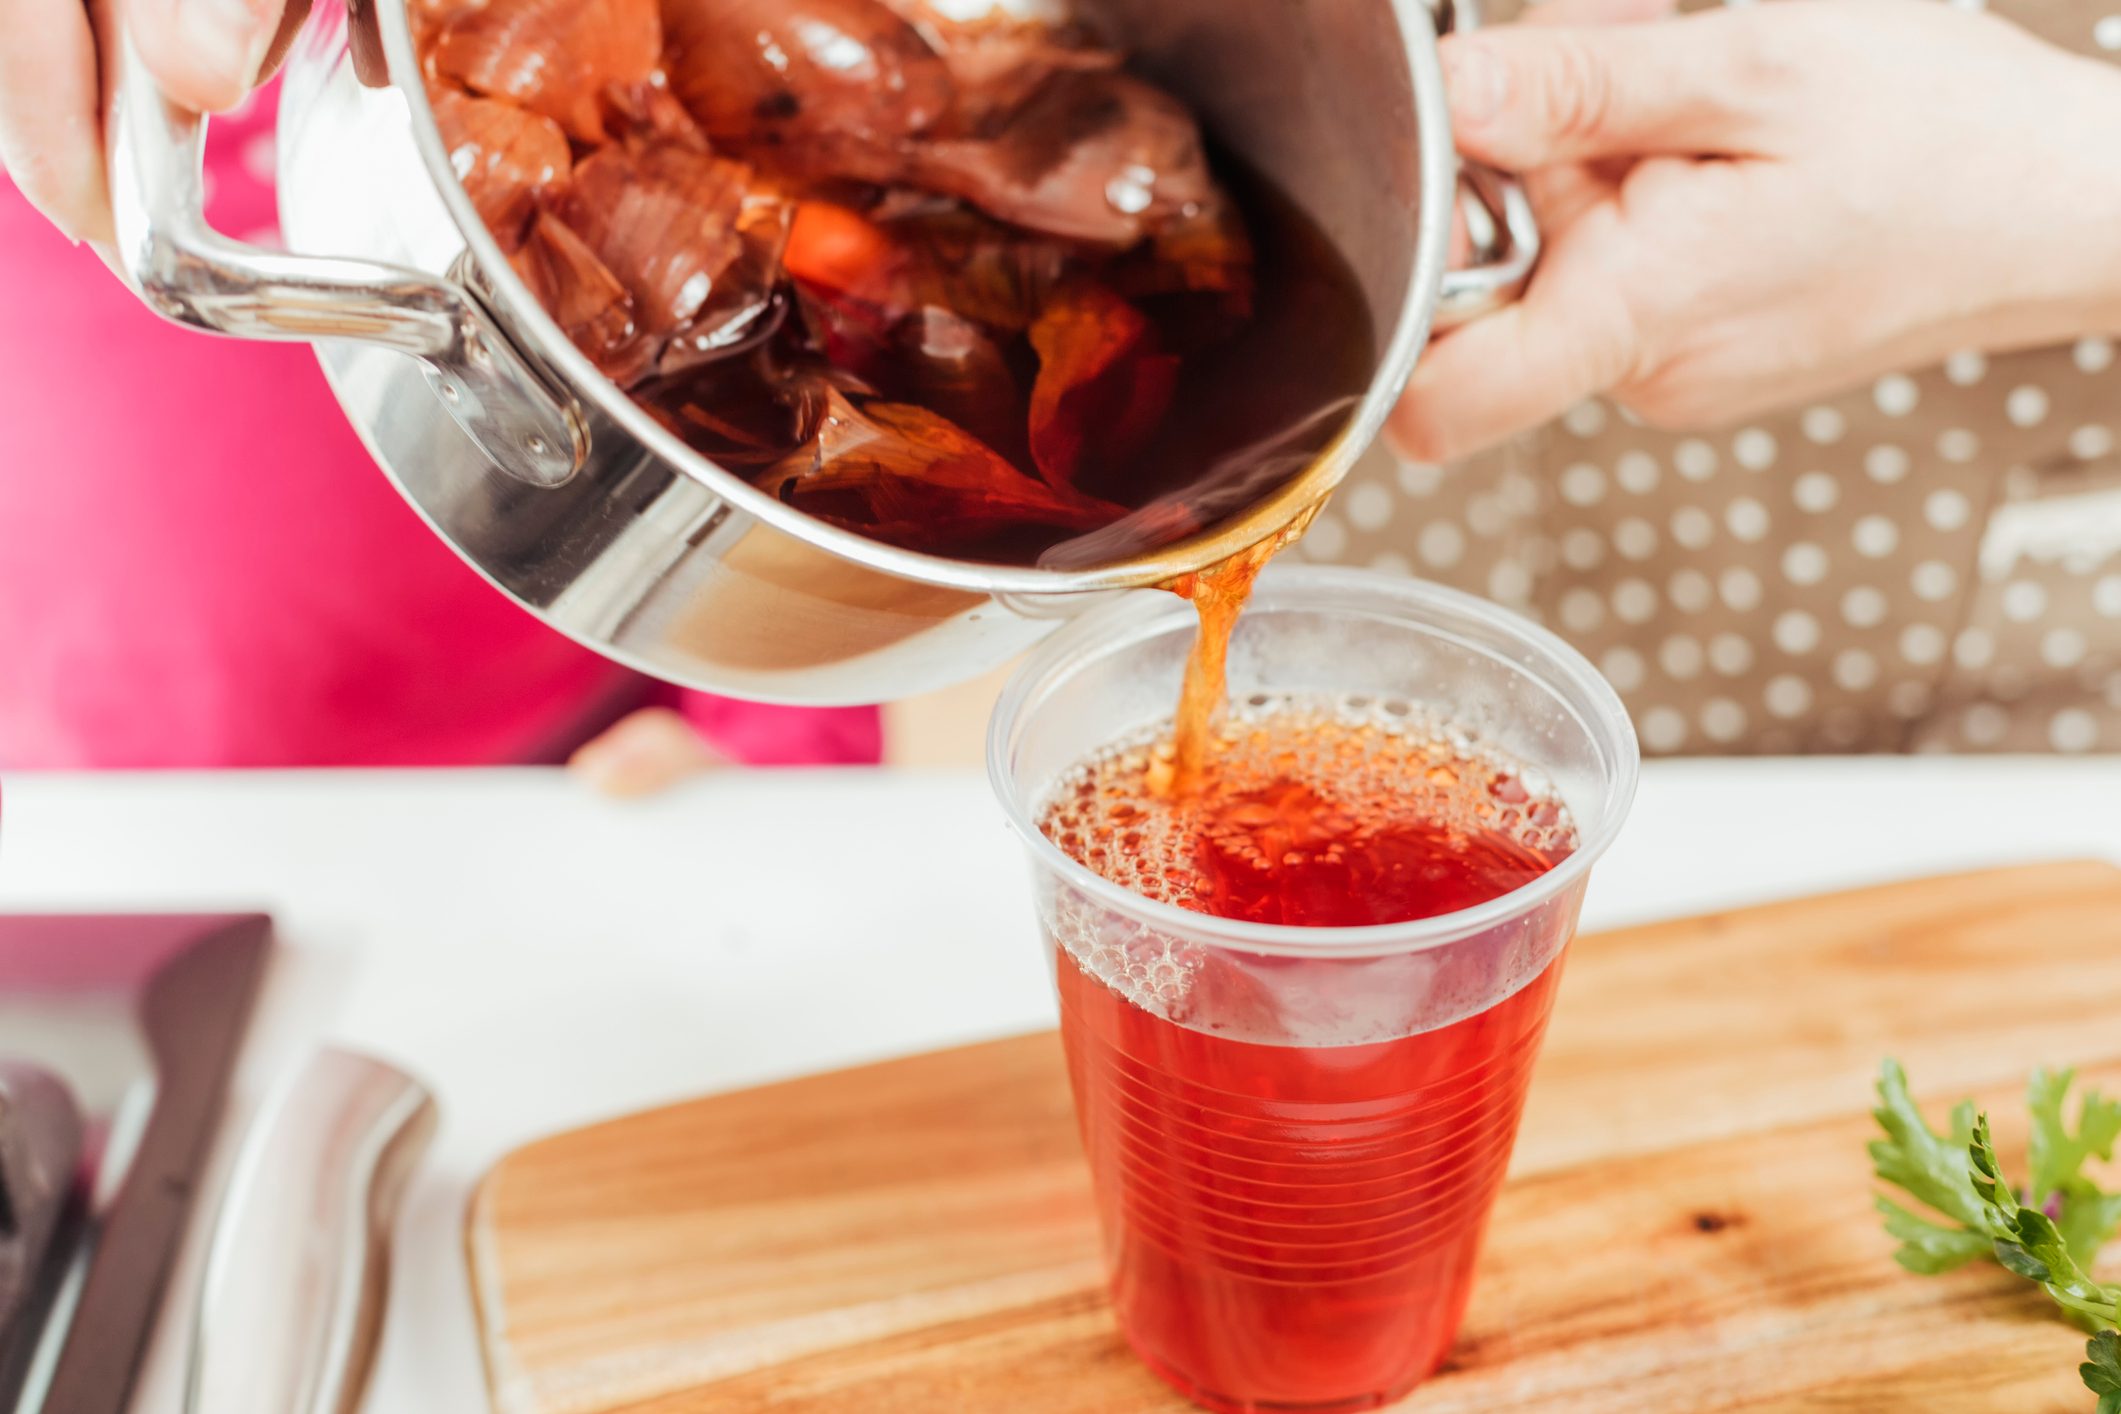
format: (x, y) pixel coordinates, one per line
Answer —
(1294, 1165)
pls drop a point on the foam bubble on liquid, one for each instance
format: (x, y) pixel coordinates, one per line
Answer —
(1373, 763)
(1384, 759)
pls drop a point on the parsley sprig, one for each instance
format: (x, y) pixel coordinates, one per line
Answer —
(2049, 1233)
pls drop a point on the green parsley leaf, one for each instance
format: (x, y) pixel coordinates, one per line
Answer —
(2057, 1155)
(1933, 1168)
(2102, 1370)
(2031, 1245)
(1960, 1177)
(1927, 1247)
(2085, 1216)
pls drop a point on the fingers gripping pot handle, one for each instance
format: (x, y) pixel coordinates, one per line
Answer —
(192, 275)
(1501, 230)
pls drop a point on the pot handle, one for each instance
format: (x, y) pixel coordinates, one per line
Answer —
(193, 275)
(1498, 216)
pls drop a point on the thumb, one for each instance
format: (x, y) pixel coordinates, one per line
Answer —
(207, 54)
(1531, 96)
(1512, 370)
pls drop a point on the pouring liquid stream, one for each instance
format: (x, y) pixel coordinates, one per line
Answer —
(1182, 765)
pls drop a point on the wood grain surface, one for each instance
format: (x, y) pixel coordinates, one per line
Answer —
(1687, 1227)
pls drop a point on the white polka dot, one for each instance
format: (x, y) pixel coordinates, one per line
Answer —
(2106, 595)
(1753, 449)
(1722, 720)
(1392, 562)
(1420, 478)
(1855, 670)
(1886, 464)
(1690, 591)
(1922, 644)
(1509, 582)
(1747, 518)
(1796, 631)
(1984, 724)
(1622, 667)
(1680, 656)
(1693, 527)
(1804, 563)
(1966, 369)
(2024, 600)
(1932, 580)
(1441, 544)
(1326, 538)
(2106, 33)
(2026, 406)
(1863, 607)
(1824, 425)
(1582, 548)
(1695, 459)
(1816, 492)
(1956, 444)
(1582, 485)
(1946, 509)
(1586, 419)
(2062, 648)
(1730, 654)
(2073, 729)
(1896, 395)
(1787, 696)
(1487, 515)
(1740, 588)
(1974, 648)
(1663, 729)
(1582, 610)
(1368, 506)
(1634, 538)
(2093, 355)
(2091, 442)
(1634, 601)
(1875, 537)
(1636, 472)
(1909, 700)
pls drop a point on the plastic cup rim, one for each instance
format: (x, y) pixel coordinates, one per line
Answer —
(1544, 656)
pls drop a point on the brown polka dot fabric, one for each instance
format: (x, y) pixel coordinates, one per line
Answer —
(1930, 563)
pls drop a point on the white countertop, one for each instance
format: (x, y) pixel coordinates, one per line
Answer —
(544, 958)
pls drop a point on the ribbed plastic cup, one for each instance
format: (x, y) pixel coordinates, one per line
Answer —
(1296, 1134)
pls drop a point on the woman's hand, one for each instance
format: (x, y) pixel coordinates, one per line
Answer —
(644, 753)
(1747, 207)
(206, 54)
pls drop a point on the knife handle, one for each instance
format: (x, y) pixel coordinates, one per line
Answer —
(291, 1310)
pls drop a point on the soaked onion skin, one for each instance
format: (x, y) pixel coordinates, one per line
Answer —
(554, 57)
(889, 265)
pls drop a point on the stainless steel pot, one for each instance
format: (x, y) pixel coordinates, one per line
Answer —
(553, 484)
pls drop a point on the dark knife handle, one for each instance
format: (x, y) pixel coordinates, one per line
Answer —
(40, 1145)
(292, 1307)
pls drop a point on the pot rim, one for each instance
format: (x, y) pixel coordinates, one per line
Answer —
(521, 311)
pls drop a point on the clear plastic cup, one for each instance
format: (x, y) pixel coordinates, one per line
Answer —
(1295, 1134)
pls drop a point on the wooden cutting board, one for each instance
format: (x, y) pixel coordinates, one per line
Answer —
(1687, 1226)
